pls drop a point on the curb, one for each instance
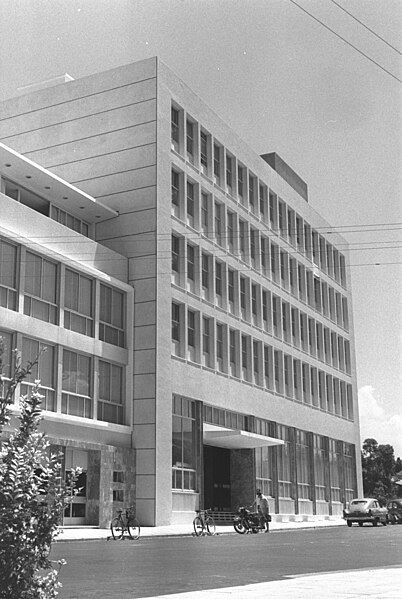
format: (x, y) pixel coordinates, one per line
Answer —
(189, 534)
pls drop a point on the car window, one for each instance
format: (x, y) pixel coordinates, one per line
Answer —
(375, 504)
(358, 502)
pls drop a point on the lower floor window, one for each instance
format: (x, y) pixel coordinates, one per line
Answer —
(184, 444)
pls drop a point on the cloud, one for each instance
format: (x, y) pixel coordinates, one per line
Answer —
(376, 423)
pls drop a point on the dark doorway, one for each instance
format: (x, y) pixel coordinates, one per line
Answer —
(217, 478)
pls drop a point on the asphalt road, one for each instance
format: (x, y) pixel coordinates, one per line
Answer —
(156, 566)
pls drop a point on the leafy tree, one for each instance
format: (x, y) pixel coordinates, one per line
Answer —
(32, 495)
(378, 465)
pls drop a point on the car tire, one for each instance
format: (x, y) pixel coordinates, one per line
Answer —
(384, 523)
(375, 522)
(360, 523)
(349, 523)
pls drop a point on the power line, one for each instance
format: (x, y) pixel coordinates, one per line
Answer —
(366, 27)
(346, 41)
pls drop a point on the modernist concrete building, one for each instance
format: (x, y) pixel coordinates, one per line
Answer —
(195, 307)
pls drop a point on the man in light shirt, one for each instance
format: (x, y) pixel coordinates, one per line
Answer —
(263, 509)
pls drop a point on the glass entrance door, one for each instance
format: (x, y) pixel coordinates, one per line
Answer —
(75, 511)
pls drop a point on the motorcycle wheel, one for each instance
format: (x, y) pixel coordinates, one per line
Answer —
(239, 527)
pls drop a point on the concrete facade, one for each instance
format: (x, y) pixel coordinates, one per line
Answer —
(110, 136)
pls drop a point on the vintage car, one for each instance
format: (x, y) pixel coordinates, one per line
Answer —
(365, 510)
(394, 507)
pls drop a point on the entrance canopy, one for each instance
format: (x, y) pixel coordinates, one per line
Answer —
(229, 438)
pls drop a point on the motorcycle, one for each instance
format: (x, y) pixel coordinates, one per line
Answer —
(247, 521)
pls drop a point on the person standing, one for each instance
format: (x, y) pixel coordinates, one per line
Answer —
(263, 509)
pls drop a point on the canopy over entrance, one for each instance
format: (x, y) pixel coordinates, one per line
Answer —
(220, 436)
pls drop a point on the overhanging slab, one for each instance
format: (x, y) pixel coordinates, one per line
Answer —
(219, 436)
(51, 187)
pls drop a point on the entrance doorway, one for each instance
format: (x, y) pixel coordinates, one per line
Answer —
(75, 511)
(217, 493)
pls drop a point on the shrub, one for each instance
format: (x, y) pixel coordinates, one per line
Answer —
(32, 495)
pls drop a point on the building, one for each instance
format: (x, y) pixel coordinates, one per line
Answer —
(196, 307)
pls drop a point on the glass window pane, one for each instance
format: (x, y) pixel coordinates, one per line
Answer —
(49, 281)
(85, 296)
(32, 274)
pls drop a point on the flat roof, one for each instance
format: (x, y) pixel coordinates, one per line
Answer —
(47, 185)
(220, 436)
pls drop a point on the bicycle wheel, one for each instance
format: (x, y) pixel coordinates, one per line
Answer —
(211, 528)
(133, 528)
(117, 528)
(198, 526)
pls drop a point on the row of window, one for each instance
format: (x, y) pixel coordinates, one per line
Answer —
(239, 296)
(306, 466)
(54, 293)
(215, 162)
(32, 200)
(215, 345)
(264, 255)
(73, 390)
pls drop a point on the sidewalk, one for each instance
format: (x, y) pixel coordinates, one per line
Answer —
(178, 530)
(384, 583)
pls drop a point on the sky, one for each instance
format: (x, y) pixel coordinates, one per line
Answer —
(285, 83)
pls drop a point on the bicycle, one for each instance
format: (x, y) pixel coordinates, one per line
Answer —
(128, 522)
(204, 523)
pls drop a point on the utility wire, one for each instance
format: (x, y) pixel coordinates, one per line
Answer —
(366, 27)
(346, 41)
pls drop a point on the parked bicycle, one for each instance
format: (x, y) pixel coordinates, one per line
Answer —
(125, 521)
(204, 523)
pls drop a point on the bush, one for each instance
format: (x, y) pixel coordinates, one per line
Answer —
(32, 495)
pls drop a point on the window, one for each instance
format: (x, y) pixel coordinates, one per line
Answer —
(204, 213)
(335, 470)
(256, 362)
(299, 234)
(175, 258)
(111, 316)
(284, 462)
(245, 342)
(205, 262)
(284, 269)
(190, 267)
(219, 347)
(176, 328)
(40, 288)
(287, 375)
(191, 335)
(229, 172)
(278, 371)
(175, 128)
(243, 240)
(252, 188)
(263, 202)
(76, 398)
(240, 181)
(8, 275)
(268, 367)
(303, 465)
(233, 352)
(26, 197)
(254, 303)
(190, 203)
(276, 315)
(243, 297)
(282, 218)
(231, 231)
(297, 380)
(217, 163)
(231, 289)
(44, 370)
(70, 221)
(254, 247)
(190, 140)
(184, 444)
(204, 151)
(274, 262)
(218, 281)
(273, 211)
(110, 402)
(78, 303)
(206, 340)
(218, 223)
(7, 340)
(264, 469)
(176, 193)
(320, 461)
(266, 310)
